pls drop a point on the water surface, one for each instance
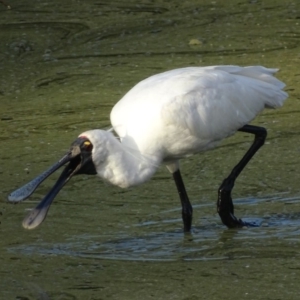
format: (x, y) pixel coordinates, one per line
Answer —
(63, 65)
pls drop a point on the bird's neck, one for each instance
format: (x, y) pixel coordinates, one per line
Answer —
(125, 166)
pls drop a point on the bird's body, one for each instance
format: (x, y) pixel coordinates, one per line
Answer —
(182, 112)
(164, 118)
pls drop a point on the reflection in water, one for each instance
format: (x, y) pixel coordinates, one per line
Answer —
(208, 242)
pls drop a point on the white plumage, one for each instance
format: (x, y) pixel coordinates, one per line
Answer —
(163, 119)
(178, 113)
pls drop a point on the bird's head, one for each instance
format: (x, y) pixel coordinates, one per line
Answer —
(79, 160)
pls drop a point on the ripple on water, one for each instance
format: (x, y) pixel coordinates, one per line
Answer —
(207, 242)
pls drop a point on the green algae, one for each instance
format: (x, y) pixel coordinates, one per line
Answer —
(63, 65)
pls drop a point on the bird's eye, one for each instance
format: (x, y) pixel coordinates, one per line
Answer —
(87, 146)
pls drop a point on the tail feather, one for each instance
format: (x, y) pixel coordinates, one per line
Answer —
(270, 86)
(256, 72)
(263, 74)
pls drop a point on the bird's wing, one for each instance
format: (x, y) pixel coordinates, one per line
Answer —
(219, 103)
(194, 105)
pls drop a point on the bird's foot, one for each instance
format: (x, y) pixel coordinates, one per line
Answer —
(231, 221)
(226, 211)
(187, 216)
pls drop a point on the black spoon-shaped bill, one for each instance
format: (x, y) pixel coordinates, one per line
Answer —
(26, 190)
(39, 213)
(80, 161)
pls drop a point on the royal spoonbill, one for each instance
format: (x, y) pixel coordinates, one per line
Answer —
(162, 119)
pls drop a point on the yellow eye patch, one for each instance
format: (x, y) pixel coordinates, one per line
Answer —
(87, 146)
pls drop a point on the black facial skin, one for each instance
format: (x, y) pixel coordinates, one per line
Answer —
(87, 165)
(79, 159)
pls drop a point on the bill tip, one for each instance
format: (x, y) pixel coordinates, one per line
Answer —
(35, 218)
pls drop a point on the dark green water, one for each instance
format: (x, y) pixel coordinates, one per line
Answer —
(63, 65)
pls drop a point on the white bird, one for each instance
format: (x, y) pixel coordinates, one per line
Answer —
(162, 119)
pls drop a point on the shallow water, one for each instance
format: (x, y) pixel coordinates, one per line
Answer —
(62, 67)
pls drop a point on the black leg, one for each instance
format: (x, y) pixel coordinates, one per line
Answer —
(224, 204)
(187, 209)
